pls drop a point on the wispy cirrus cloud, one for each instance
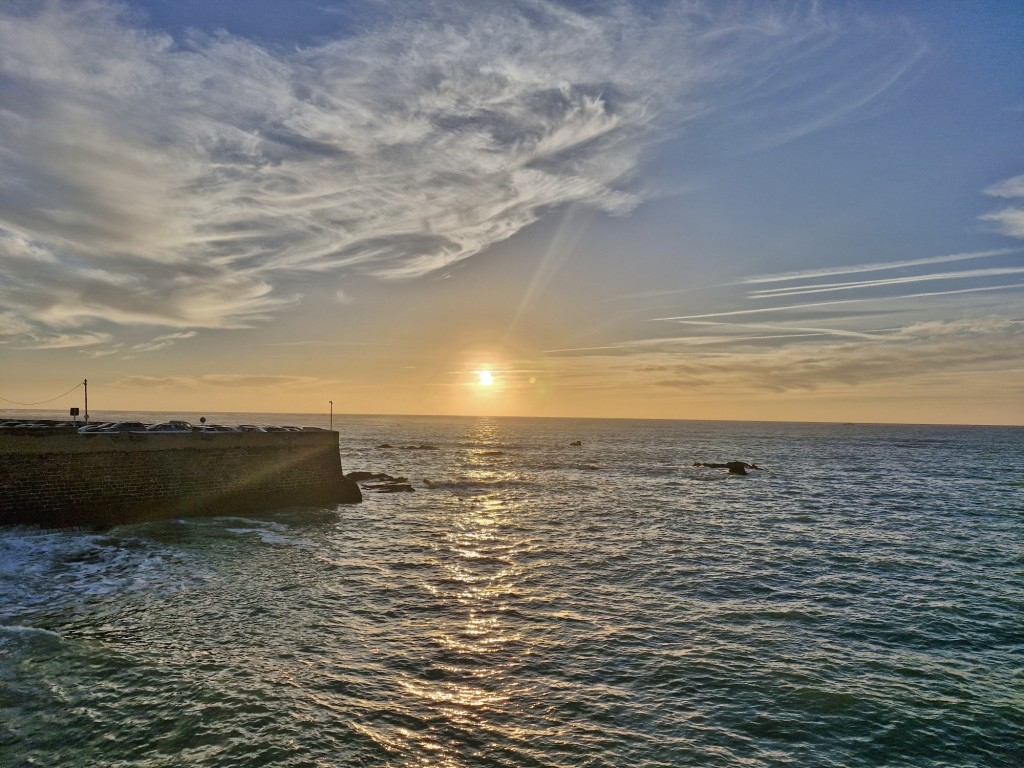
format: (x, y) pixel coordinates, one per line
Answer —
(35, 340)
(933, 351)
(880, 266)
(224, 380)
(772, 340)
(19, 332)
(905, 354)
(1010, 219)
(852, 285)
(159, 343)
(192, 183)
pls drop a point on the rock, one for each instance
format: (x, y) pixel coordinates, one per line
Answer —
(382, 482)
(357, 476)
(734, 467)
(390, 488)
(348, 491)
(360, 476)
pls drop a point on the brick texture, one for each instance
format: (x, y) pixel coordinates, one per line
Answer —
(104, 480)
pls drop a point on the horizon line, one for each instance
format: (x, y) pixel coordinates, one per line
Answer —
(570, 418)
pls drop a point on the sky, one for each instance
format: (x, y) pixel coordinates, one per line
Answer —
(780, 211)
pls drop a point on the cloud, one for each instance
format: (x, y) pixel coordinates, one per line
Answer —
(1011, 219)
(197, 182)
(935, 351)
(755, 339)
(18, 332)
(871, 300)
(904, 354)
(850, 285)
(63, 340)
(1009, 188)
(159, 343)
(225, 380)
(852, 269)
(874, 295)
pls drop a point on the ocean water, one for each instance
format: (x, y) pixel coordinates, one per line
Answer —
(859, 601)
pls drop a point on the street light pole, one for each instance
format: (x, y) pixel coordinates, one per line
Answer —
(332, 414)
(85, 383)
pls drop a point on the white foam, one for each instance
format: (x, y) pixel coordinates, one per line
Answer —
(20, 629)
(272, 536)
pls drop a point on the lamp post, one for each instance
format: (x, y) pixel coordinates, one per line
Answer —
(85, 383)
(332, 414)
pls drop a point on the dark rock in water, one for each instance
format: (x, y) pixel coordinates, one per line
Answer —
(348, 491)
(576, 442)
(734, 467)
(385, 445)
(357, 476)
(382, 482)
(390, 488)
(375, 476)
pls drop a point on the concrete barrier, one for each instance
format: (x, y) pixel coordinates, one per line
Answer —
(100, 480)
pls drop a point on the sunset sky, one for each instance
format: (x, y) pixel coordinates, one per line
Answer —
(807, 211)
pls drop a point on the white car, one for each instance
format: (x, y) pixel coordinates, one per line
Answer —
(171, 426)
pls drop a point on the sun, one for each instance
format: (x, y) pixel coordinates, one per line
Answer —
(486, 378)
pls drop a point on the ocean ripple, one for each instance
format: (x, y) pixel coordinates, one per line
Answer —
(857, 603)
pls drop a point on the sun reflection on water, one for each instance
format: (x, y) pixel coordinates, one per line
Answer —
(467, 681)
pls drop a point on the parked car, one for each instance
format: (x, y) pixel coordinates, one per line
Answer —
(123, 426)
(217, 428)
(98, 427)
(171, 426)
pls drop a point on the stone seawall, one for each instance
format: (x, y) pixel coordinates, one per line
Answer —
(102, 480)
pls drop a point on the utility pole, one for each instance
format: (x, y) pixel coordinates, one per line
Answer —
(85, 383)
(332, 414)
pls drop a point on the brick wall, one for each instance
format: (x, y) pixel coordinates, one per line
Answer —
(103, 480)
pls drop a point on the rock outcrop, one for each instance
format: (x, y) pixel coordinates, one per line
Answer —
(379, 482)
(734, 467)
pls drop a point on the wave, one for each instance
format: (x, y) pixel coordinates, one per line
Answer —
(496, 445)
(22, 630)
(272, 536)
(58, 569)
(476, 485)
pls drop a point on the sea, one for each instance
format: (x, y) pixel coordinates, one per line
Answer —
(551, 593)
